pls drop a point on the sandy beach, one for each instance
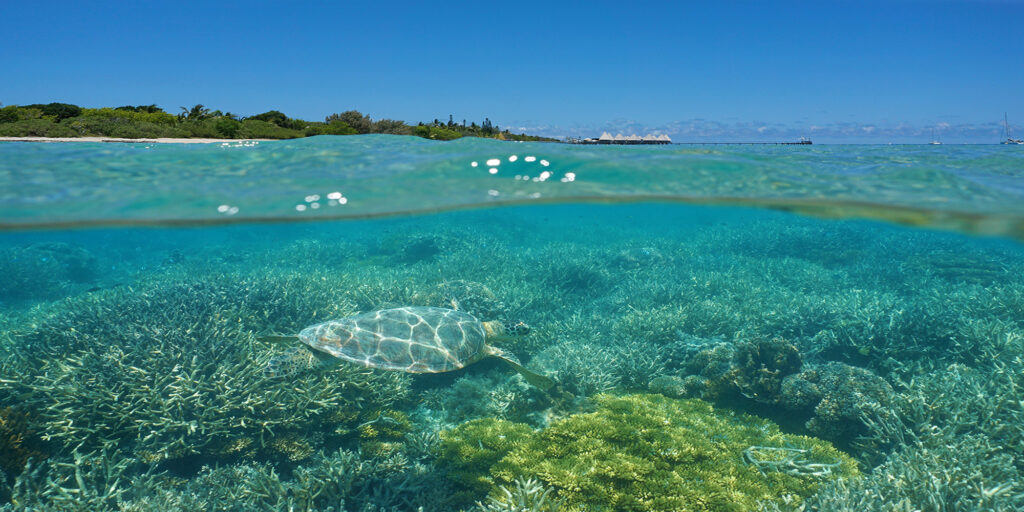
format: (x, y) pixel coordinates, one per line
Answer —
(115, 139)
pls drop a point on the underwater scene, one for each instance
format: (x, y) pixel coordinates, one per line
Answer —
(383, 323)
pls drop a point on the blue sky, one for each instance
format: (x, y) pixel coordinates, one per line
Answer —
(833, 71)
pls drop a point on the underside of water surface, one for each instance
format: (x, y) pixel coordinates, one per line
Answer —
(706, 356)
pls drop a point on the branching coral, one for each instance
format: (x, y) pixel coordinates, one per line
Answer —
(638, 452)
(84, 482)
(591, 368)
(171, 368)
(344, 480)
(528, 495)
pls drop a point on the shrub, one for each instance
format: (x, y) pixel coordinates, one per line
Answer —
(228, 127)
(36, 128)
(255, 129)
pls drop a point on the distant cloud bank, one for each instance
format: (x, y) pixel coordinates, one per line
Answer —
(704, 130)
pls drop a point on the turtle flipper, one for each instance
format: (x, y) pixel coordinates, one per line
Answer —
(538, 380)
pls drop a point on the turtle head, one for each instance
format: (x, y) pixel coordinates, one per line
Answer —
(516, 328)
(296, 360)
(502, 330)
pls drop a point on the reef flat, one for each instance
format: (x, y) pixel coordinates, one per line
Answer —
(707, 358)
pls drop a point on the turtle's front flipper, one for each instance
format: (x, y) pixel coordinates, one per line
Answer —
(542, 382)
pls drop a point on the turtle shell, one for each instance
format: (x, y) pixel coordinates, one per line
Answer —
(410, 339)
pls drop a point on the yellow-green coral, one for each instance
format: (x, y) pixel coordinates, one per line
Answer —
(470, 450)
(641, 452)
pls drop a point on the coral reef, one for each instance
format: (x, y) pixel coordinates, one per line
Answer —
(470, 450)
(83, 482)
(19, 441)
(170, 369)
(43, 270)
(528, 495)
(344, 480)
(590, 368)
(840, 396)
(639, 452)
(951, 473)
(790, 318)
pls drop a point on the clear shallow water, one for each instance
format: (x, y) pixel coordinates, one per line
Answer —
(133, 354)
(968, 188)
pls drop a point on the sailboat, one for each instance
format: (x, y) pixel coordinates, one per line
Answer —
(934, 140)
(1006, 132)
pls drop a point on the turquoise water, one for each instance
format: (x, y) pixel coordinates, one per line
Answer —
(694, 318)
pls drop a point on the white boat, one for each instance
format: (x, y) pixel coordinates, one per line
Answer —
(1006, 133)
(934, 141)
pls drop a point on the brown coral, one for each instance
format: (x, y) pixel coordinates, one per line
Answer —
(18, 441)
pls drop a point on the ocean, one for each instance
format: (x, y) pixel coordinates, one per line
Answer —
(510, 326)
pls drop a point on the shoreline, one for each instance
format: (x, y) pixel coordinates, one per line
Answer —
(139, 141)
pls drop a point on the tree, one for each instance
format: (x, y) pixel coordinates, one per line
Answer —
(353, 118)
(146, 109)
(58, 111)
(273, 116)
(228, 127)
(391, 126)
(196, 113)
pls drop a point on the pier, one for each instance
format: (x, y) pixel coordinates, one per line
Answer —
(607, 138)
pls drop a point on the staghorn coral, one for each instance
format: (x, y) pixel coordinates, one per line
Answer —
(82, 482)
(170, 369)
(343, 480)
(528, 495)
(493, 394)
(952, 440)
(636, 452)
(591, 368)
(958, 473)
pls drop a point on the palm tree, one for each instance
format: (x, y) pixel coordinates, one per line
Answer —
(196, 113)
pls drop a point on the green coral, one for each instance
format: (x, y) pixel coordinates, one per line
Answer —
(471, 449)
(642, 452)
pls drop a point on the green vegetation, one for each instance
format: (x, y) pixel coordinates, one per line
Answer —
(150, 121)
(646, 453)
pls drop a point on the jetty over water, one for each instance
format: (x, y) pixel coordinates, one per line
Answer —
(607, 138)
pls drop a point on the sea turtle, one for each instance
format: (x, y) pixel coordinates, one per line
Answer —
(411, 339)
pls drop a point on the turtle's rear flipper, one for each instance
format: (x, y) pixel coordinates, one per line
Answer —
(542, 382)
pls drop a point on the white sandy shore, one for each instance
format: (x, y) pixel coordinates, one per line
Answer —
(114, 139)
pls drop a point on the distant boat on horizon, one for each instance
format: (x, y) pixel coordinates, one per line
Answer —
(1006, 133)
(934, 140)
